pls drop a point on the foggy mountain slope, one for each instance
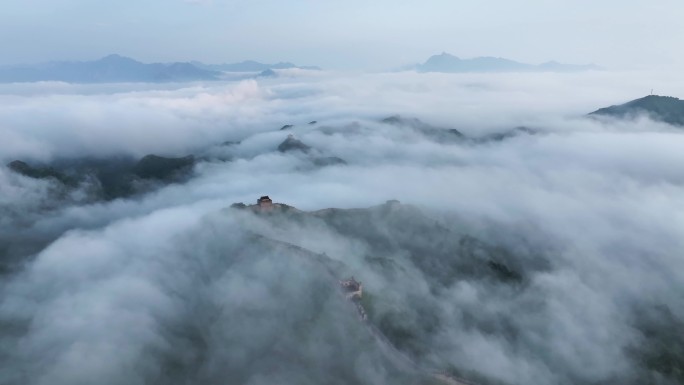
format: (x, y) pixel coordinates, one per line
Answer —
(67, 184)
(665, 109)
(387, 239)
(110, 178)
(64, 185)
(452, 135)
(442, 135)
(408, 298)
(184, 316)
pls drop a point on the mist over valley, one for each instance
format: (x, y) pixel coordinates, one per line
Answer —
(498, 240)
(229, 192)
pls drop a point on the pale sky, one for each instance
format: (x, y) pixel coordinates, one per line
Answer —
(349, 34)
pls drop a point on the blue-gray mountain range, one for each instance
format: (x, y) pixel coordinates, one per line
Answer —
(251, 66)
(116, 68)
(452, 64)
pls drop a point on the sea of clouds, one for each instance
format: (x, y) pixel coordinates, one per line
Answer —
(168, 288)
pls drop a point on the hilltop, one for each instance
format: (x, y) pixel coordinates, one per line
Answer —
(665, 109)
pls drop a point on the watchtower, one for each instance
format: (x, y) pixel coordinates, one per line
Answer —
(265, 203)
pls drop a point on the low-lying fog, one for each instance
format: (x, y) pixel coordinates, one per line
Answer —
(586, 217)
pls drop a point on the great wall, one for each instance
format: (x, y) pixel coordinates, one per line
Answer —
(352, 290)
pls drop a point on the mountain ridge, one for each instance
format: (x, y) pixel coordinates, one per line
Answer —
(252, 66)
(448, 63)
(115, 68)
(666, 109)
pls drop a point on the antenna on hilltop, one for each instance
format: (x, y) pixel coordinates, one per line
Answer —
(651, 91)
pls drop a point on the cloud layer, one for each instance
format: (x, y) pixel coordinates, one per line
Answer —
(170, 288)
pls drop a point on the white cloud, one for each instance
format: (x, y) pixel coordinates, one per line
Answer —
(600, 202)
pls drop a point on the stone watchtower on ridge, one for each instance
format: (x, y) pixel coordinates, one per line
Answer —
(352, 288)
(265, 203)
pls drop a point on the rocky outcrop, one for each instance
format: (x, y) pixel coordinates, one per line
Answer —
(47, 172)
(293, 144)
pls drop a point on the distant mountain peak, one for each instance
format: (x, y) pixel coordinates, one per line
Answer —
(116, 58)
(441, 58)
(446, 54)
(448, 63)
